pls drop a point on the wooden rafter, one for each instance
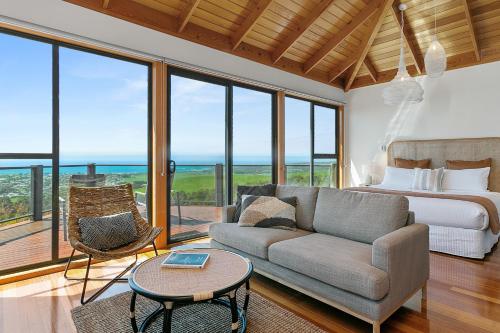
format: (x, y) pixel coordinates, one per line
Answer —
(473, 33)
(338, 71)
(250, 22)
(368, 41)
(301, 29)
(347, 30)
(105, 4)
(408, 36)
(186, 14)
(371, 69)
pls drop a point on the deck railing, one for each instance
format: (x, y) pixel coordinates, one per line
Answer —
(213, 195)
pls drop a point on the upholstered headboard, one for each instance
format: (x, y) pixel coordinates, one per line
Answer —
(450, 149)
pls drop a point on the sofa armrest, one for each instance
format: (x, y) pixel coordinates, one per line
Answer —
(411, 218)
(404, 255)
(228, 213)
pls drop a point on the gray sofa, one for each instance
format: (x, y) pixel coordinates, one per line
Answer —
(359, 252)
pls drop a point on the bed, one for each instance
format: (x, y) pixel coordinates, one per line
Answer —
(457, 227)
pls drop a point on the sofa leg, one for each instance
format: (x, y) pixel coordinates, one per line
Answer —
(376, 327)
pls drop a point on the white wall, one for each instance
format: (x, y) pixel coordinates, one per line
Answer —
(63, 16)
(462, 103)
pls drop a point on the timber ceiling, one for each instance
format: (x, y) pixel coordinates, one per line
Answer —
(347, 44)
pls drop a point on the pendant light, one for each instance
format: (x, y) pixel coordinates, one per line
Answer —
(403, 88)
(435, 57)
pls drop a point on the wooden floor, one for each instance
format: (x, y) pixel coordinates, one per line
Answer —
(462, 296)
(26, 243)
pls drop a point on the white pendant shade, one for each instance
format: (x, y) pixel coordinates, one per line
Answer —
(435, 59)
(403, 88)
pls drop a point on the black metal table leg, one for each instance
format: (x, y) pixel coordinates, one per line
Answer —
(132, 313)
(167, 316)
(234, 312)
(247, 297)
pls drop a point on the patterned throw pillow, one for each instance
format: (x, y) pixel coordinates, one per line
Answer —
(108, 232)
(268, 212)
(267, 190)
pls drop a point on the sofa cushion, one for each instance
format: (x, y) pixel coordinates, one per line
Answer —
(268, 212)
(254, 241)
(361, 217)
(268, 189)
(339, 262)
(306, 203)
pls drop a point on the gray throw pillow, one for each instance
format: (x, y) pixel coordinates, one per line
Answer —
(261, 190)
(108, 232)
(268, 212)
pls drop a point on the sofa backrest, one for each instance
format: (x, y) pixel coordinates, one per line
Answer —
(361, 217)
(306, 203)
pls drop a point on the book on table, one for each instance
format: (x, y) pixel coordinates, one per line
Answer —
(185, 260)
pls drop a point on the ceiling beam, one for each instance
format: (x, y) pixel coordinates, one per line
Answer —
(186, 13)
(339, 37)
(366, 44)
(472, 30)
(105, 4)
(250, 22)
(408, 36)
(301, 29)
(339, 70)
(371, 69)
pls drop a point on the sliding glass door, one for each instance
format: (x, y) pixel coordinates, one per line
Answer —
(311, 143)
(197, 153)
(221, 135)
(70, 116)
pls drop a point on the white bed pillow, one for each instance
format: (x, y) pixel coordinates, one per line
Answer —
(428, 179)
(398, 177)
(466, 179)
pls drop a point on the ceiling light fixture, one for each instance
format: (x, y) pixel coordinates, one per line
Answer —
(435, 57)
(403, 88)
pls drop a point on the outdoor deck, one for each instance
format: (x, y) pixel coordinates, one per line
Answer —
(27, 243)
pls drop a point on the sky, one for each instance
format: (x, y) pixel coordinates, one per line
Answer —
(103, 111)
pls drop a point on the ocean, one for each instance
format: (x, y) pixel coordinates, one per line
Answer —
(135, 164)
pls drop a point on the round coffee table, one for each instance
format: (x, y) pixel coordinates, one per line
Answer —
(221, 277)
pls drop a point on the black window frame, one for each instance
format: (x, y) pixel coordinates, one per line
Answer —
(313, 155)
(55, 155)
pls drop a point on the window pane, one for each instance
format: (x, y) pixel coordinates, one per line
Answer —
(197, 132)
(103, 125)
(25, 212)
(25, 95)
(325, 173)
(297, 141)
(324, 130)
(252, 137)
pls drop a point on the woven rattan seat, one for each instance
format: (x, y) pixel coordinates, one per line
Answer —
(103, 201)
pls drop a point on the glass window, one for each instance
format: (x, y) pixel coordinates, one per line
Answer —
(25, 95)
(252, 137)
(103, 125)
(197, 141)
(298, 137)
(324, 130)
(297, 141)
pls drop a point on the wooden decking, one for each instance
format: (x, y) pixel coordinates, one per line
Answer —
(28, 243)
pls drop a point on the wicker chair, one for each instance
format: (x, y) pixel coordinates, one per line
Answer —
(102, 201)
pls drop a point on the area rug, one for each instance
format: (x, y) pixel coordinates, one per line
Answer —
(112, 315)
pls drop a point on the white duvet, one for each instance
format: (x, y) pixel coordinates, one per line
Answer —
(450, 213)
